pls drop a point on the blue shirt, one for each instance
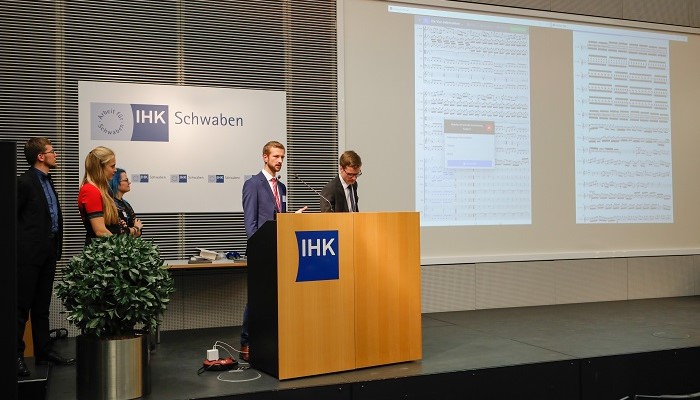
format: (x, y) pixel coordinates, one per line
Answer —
(45, 180)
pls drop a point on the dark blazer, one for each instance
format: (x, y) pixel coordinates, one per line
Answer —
(335, 193)
(34, 220)
(259, 202)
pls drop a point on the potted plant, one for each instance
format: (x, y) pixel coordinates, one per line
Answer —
(114, 291)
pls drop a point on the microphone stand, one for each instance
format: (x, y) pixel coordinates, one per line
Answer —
(315, 191)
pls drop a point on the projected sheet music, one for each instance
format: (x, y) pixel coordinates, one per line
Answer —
(623, 129)
(472, 88)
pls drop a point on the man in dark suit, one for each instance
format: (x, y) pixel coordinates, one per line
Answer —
(340, 194)
(263, 197)
(263, 194)
(39, 240)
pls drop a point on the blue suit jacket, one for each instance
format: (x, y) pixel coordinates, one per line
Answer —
(259, 202)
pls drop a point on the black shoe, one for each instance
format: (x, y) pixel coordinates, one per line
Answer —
(53, 358)
(22, 369)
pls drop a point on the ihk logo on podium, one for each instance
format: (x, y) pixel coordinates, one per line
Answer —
(318, 255)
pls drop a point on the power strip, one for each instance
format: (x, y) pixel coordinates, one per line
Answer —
(222, 364)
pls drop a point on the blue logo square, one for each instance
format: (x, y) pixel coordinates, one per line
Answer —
(150, 122)
(143, 178)
(182, 178)
(318, 256)
(219, 179)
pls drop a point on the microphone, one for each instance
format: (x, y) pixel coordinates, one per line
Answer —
(315, 191)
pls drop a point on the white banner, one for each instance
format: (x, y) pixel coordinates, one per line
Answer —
(185, 149)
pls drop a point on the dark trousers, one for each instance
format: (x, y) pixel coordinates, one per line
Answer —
(34, 290)
(244, 328)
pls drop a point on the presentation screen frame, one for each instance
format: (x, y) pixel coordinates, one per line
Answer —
(378, 121)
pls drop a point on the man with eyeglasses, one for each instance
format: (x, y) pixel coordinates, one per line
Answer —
(39, 241)
(340, 194)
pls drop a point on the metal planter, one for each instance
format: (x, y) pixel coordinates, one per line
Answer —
(113, 369)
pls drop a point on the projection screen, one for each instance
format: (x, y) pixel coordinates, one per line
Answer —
(523, 137)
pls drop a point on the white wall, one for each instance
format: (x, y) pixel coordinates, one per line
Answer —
(532, 283)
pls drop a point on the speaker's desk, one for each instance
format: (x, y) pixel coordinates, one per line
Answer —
(330, 292)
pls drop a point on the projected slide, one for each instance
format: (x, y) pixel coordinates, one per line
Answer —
(472, 90)
(473, 127)
(623, 129)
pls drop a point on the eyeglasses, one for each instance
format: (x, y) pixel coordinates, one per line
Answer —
(352, 175)
(50, 151)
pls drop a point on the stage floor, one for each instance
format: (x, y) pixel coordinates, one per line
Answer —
(562, 336)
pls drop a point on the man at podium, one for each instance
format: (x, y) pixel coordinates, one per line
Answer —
(263, 197)
(340, 194)
(263, 194)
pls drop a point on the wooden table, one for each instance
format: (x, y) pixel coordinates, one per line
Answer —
(184, 265)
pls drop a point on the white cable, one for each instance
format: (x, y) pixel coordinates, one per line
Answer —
(670, 396)
(224, 349)
(229, 346)
(238, 380)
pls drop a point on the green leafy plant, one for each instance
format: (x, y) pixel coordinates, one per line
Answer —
(115, 284)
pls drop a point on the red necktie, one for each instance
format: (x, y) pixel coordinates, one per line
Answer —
(276, 194)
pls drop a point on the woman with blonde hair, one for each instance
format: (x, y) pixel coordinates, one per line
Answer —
(97, 209)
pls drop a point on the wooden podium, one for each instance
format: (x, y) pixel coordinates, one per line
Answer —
(370, 315)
